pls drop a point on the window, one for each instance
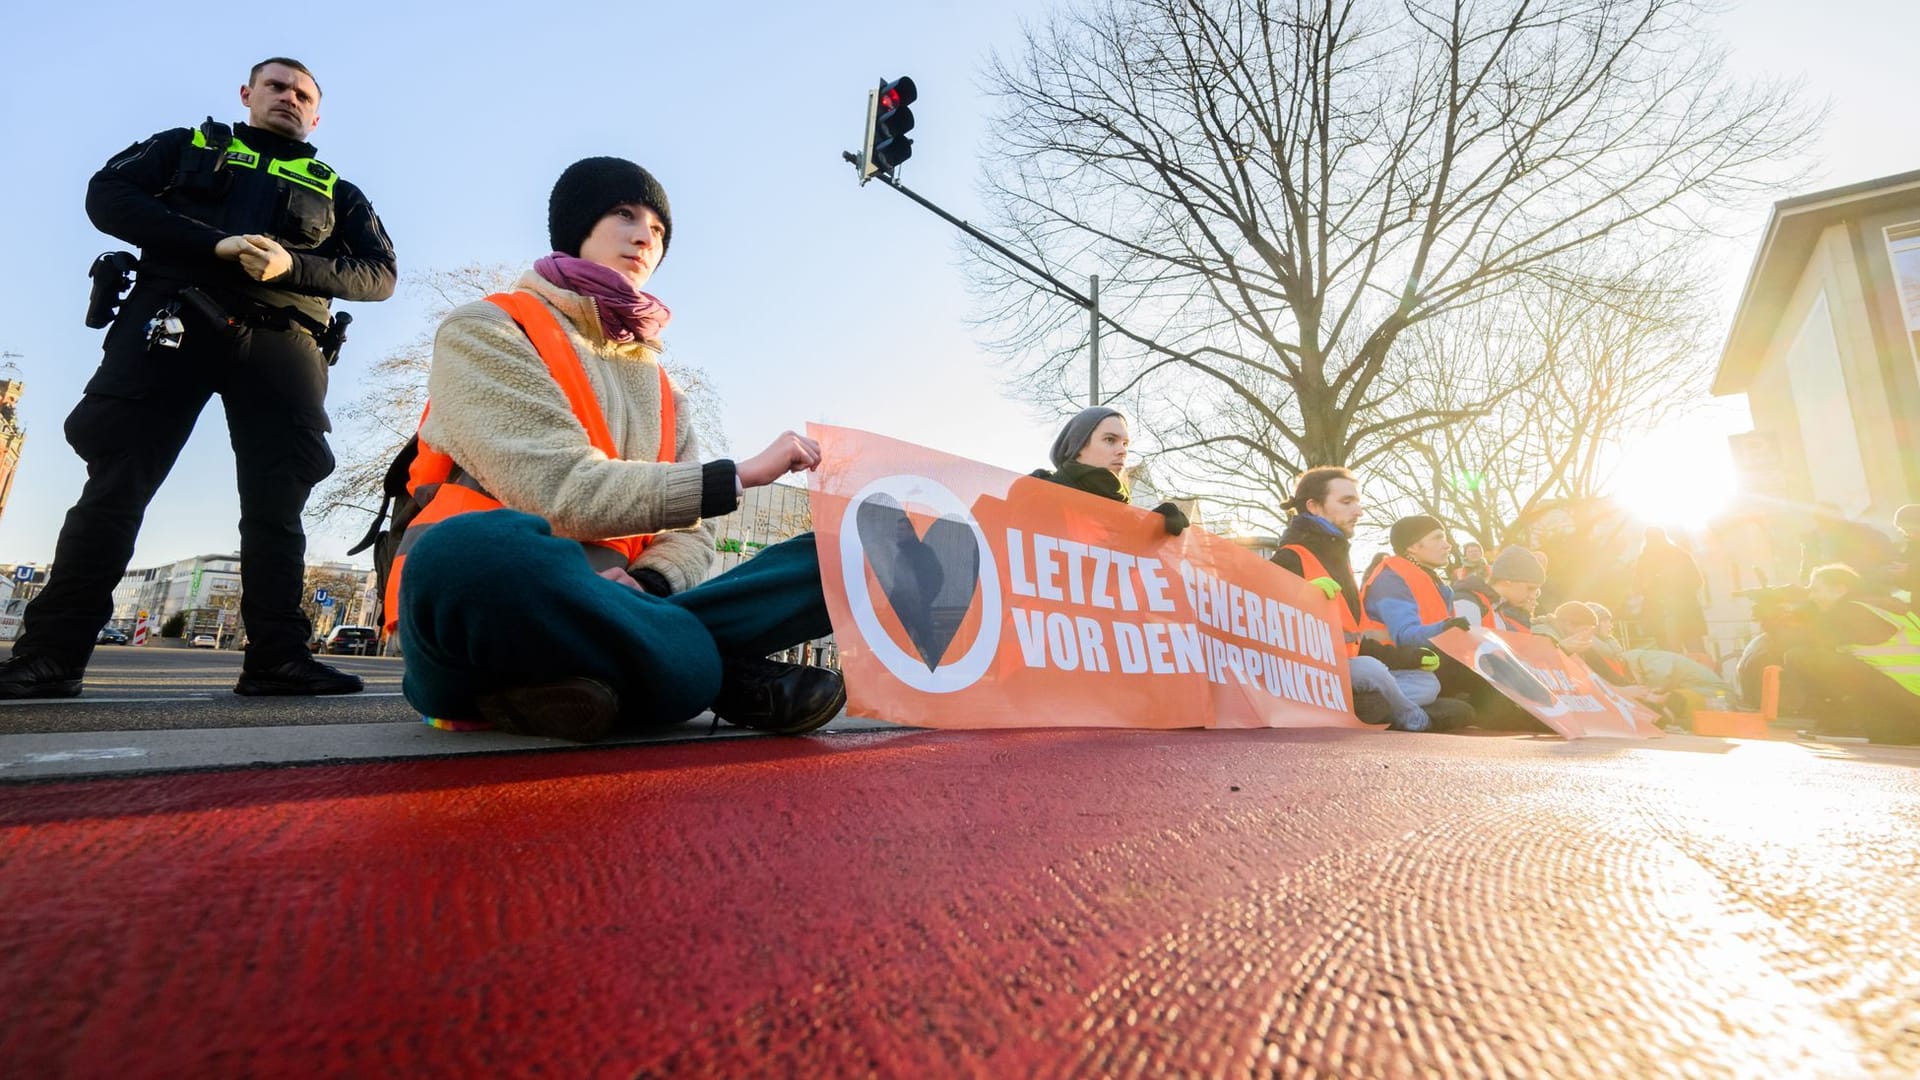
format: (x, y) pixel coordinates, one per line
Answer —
(1903, 250)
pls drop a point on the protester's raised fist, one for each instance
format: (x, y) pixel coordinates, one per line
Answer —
(789, 453)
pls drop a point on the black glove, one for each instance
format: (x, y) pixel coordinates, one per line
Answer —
(1458, 622)
(653, 581)
(1176, 521)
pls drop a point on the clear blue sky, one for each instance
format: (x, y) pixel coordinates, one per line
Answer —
(803, 295)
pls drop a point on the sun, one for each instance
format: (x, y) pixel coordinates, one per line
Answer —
(1680, 475)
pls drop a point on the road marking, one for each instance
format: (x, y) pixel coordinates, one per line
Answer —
(106, 753)
(22, 702)
(205, 696)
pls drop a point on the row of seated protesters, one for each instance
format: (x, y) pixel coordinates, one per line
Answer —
(1406, 601)
(558, 450)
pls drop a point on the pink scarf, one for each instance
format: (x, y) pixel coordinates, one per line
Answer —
(625, 312)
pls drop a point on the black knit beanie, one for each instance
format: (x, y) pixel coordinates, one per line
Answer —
(592, 186)
(1409, 531)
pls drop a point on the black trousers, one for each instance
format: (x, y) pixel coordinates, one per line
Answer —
(1846, 684)
(137, 413)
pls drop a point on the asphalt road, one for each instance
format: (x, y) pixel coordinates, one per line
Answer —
(997, 904)
(167, 689)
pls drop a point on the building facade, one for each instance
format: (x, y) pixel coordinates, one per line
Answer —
(12, 437)
(1825, 345)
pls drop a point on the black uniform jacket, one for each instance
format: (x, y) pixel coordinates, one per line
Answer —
(131, 198)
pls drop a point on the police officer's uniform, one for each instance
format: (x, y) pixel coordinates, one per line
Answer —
(256, 344)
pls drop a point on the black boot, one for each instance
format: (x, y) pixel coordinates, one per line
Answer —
(301, 676)
(578, 710)
(783, 699)
(39, 677)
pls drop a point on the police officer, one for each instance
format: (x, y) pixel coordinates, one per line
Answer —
(245, 238)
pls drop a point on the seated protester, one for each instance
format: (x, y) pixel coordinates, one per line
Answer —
(1404, 597)
(1865, 658)
(554, 581)
(1388, 683)
(1576, 629)
(1514, 581)
(1472, 568)
(1090, 454)
(1657, 669)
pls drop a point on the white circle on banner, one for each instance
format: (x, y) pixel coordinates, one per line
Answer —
(1493, 645)
(906, 488)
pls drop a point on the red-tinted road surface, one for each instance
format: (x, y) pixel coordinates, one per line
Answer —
(1007, 904)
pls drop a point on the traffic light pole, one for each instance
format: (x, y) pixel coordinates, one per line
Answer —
(1093, 337)
(1065, 291)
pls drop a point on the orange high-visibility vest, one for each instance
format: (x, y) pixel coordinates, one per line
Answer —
(1432, 607)
(1505, 624)
(444, 490)
(1310, 568)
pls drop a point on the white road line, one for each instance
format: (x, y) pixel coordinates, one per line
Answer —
(23, 702)
(106, 753)
(191, 696)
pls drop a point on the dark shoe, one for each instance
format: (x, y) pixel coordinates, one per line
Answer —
(301, 676)
(578, 710)
(1448, 714)
(783, 699)
(39, 677)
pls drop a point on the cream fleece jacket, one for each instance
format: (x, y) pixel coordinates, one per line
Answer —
(499, 414)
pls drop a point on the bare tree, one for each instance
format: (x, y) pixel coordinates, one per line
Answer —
(1583, 372)
(386, 413)
(1276, 192)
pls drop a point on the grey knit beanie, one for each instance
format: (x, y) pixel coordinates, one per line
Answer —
(1073, 438)
(1517, 564)
(593, 186)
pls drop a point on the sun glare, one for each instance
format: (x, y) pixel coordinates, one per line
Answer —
(1679, 476)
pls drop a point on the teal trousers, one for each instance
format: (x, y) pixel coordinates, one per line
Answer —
(494, 600)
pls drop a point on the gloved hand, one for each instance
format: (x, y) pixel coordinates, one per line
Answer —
(1458, 622)
(1327, 586)
(1429, 660)
(652, 581)
(1176, 521)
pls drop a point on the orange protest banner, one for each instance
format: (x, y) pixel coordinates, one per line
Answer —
(1559, 690)
(965, 596)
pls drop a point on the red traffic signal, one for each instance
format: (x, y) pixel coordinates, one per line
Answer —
(888, 121)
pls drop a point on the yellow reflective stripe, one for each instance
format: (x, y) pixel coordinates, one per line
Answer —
(310, 173)
(307, 172)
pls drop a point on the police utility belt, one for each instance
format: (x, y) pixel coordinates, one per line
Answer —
(205, 168)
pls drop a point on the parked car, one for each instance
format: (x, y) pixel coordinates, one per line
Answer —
(109, 636)
(352, 640)
(203, 641)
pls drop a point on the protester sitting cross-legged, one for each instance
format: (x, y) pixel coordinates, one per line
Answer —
(554, 582)
(1090, 454)
(1391, 683)
(1864, 662)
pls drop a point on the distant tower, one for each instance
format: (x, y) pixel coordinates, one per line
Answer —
(11, 437)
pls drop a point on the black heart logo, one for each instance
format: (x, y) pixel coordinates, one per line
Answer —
(928, 581)
(1503, 671)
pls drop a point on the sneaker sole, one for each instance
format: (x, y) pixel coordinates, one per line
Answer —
(257, 688)
(577, 710)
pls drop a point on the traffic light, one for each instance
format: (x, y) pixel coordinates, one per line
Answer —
(888, 121)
